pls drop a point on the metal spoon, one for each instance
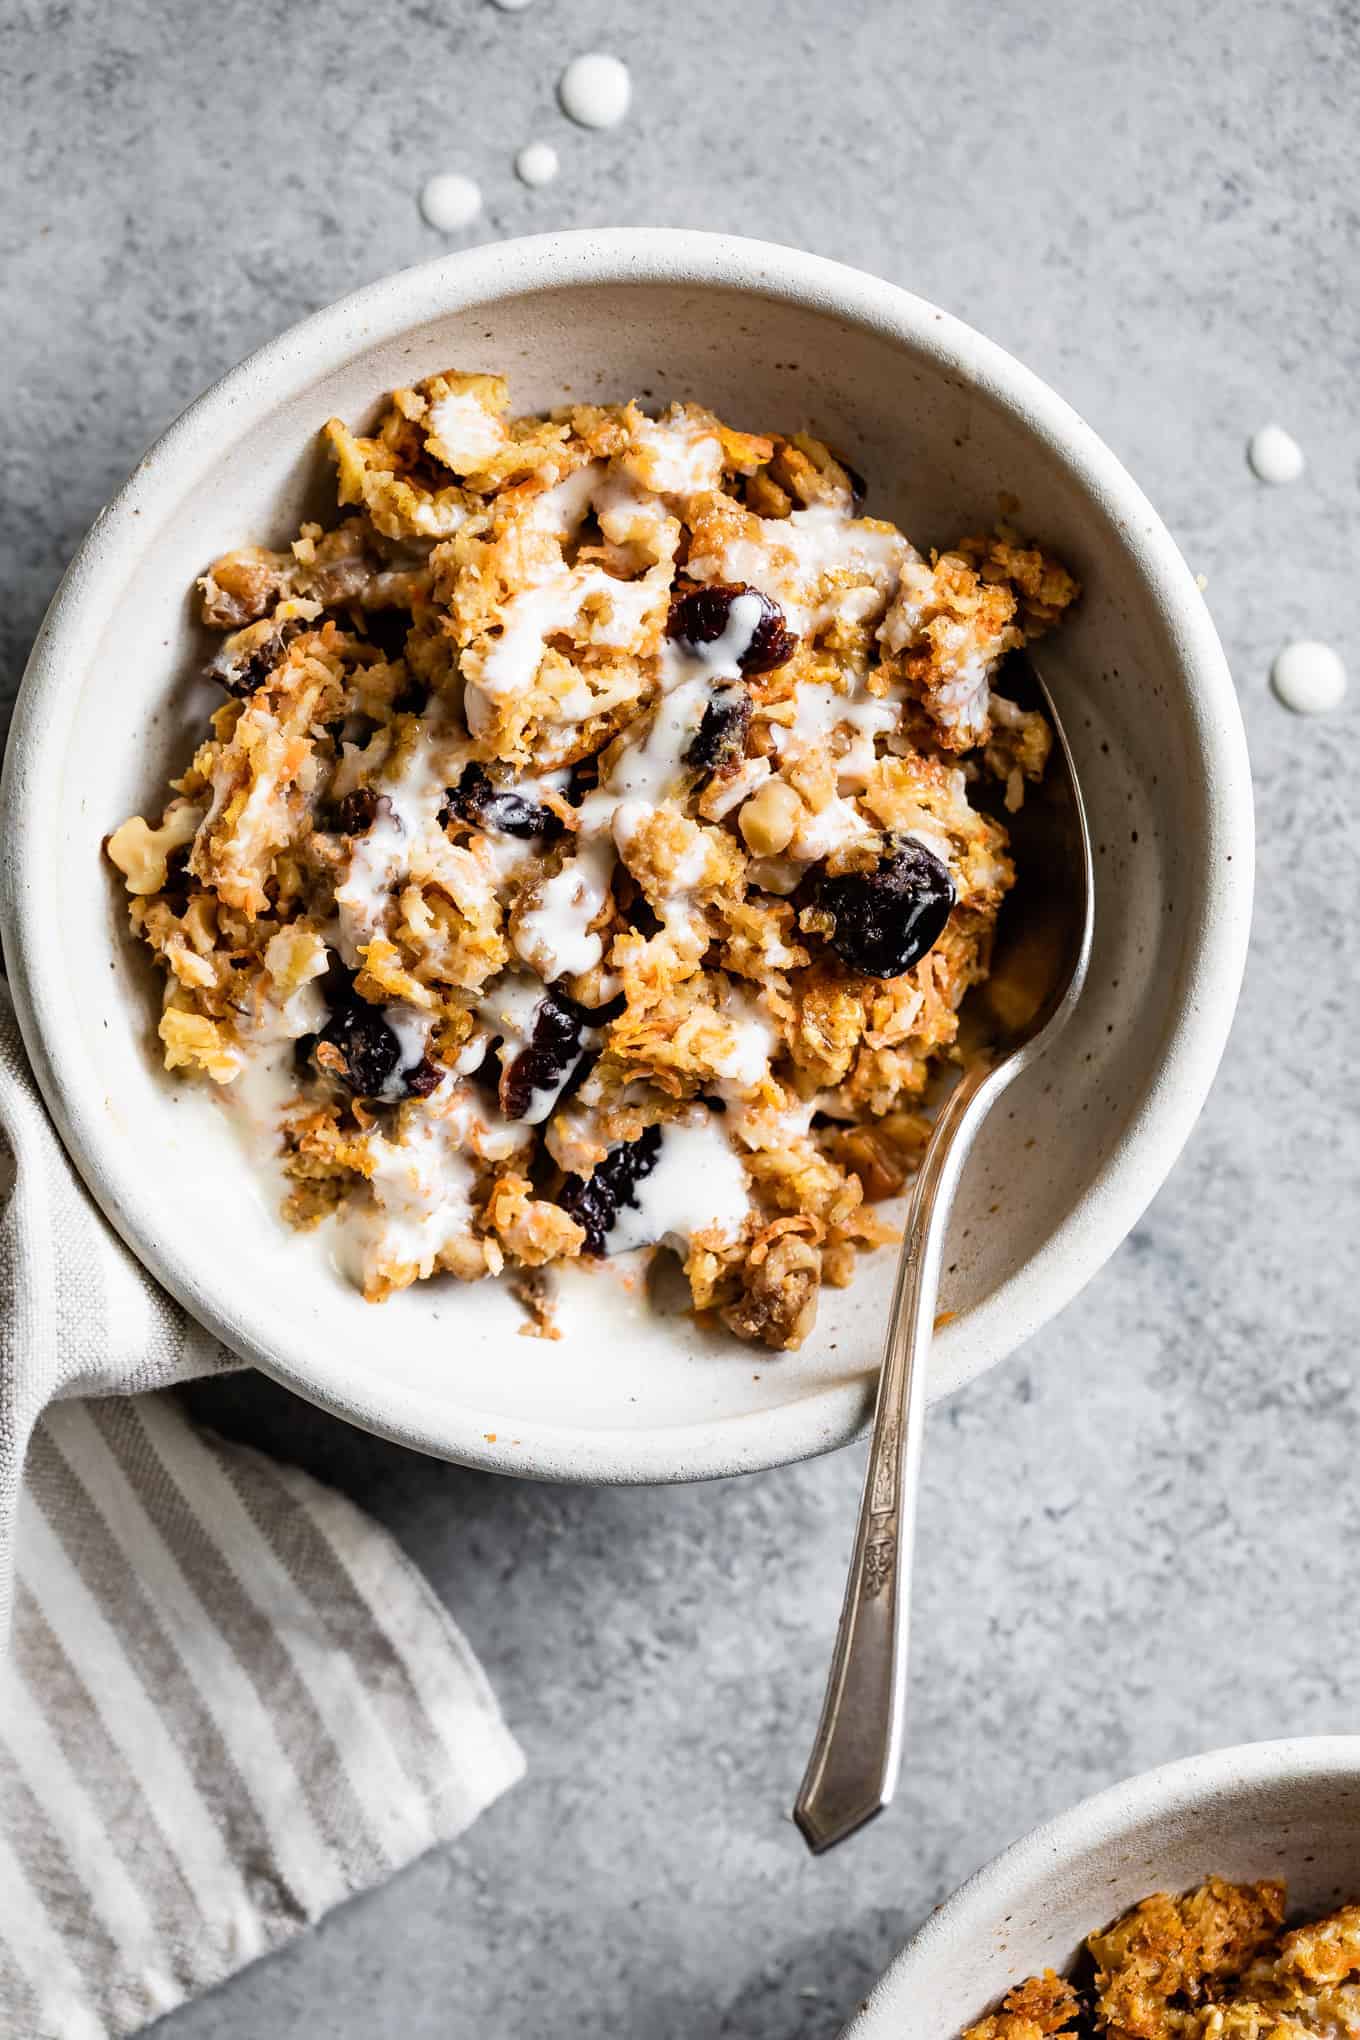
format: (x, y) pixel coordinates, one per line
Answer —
(1039, 960)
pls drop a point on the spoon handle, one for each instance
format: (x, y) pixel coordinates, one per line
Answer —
(853, 1767)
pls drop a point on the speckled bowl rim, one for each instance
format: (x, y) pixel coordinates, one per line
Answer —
(1214, 952)
(1170, 1793)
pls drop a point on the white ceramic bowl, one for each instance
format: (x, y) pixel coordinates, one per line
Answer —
(941, 422)
(1272, 1809)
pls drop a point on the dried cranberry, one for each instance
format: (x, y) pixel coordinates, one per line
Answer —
(547, 1058)
(357, 812)
(501, 812)
(594, 1200)
(886, 919)
(700, 615)
(720, 741)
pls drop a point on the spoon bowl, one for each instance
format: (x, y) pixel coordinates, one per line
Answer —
(1042, 947)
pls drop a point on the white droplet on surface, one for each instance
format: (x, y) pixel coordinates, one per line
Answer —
(1274, 456)
(512, 6)
(536, 163)
(450, 202)
(1309, 678)
(595, 90)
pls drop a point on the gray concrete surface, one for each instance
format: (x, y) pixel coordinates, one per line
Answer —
(1140, 1536)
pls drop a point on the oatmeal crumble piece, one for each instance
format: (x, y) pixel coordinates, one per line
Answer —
(1043, 2005)
(593, 846)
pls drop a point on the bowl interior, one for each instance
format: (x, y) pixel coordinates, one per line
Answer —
(623, 1393)
(1269, 1810)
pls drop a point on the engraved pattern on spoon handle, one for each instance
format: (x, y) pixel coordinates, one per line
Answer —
(855, 1757)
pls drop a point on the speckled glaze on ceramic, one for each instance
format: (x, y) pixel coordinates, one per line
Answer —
(1272, 1809)
(945, 426)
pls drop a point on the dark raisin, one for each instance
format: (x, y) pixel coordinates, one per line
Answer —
(551, 1052)
(464, 802)
(357, 1032)
(367, 1044)
(719, 743)
(700, 615)
(242, 675)
(594, 1200)
(886, 919)
(509, 814)
(357, 812)
(424, 1077)
(496, 809)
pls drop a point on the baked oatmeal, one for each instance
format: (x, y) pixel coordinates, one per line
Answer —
(587, 854)
(1216, 1964)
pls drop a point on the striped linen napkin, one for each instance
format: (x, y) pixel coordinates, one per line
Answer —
(229, 1701)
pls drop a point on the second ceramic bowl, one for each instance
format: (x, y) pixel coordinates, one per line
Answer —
(1275, 1809)
(945, 426)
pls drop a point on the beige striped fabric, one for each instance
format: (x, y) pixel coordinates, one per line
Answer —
(228, 1700)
